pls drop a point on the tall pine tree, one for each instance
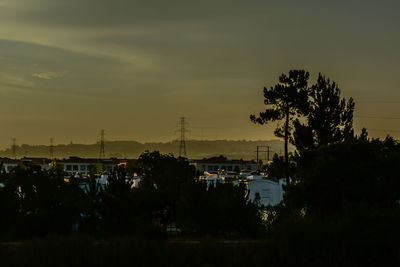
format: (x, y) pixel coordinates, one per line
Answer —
(285, 101)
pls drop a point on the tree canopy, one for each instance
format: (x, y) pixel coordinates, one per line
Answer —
(329, 118)
(286, 101)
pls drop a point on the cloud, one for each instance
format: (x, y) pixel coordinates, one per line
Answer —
(15, 80)
(39, 69)
(48, 75)
(118, 58)
(100, 13)
(139, 13)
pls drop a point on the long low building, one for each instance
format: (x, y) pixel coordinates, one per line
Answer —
(71, 165)
(215, 164)
(8, 164)
(87, 165)
(78, 165)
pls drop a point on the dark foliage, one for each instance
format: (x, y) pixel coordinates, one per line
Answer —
(344, 200)
(219, 211)
(189, 205)
(344, 204)
(335, 180)
(329, 118)
(277, 168)
(286, 101)
(169, 196)
(38, 202)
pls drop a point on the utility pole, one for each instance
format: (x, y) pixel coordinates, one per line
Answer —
(260, 150)
(182, 146)
(257, 154)
(102, 150)
(14, 148)
(51, 148)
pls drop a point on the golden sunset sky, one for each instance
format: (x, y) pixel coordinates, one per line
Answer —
(69, 68)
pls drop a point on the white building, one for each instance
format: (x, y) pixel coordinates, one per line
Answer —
(255, 177)
(8, 166)
(269, 192)
(77, 165)
(218, 164)
(213, 180)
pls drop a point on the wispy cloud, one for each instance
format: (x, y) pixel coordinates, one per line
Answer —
(15, 80)
(48, 75)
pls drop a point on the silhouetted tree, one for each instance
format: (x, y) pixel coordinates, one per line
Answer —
(335, 180)
(217, 210)
(91, 216)
(329, 117)
(286, 101)
(38, 202)
(194, 207)
(118, 208)
(277, 168)
(165, 175)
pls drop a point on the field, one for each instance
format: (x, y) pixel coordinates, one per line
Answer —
(85, 251)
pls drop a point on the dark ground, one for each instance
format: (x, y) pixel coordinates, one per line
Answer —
(72, 251)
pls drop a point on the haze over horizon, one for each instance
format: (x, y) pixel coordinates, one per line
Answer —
(95, 142)
(132, 149)
(71, 68)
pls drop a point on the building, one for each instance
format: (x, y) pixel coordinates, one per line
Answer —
(76, 165)
(268, 192)
(8, 164)
(218, 164)
(43, 163)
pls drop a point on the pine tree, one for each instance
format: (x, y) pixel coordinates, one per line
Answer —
(285, 101)
(329, 117)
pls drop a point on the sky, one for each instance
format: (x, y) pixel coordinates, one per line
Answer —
(71, 68)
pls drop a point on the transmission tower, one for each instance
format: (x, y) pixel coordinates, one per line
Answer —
(51, 148)
(14, 148)
(182, 146)
(102, 151)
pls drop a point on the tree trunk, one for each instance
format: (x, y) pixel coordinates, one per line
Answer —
(286, 147)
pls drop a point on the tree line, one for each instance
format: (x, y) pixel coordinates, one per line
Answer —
(37, 202)
(342, 197)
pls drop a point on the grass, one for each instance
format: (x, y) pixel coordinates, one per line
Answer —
(86, 251)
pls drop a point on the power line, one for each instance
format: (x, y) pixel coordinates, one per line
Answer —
(379, 101)
(376, 117)
(383, 130)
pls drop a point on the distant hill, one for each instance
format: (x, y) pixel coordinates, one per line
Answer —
(196, 149)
